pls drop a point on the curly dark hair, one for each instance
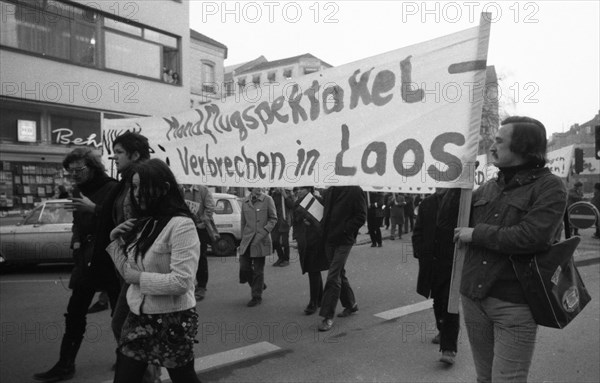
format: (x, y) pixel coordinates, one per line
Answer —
(91, 158)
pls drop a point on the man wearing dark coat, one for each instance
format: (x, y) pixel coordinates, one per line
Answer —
(310, 248)
(433, 246)
(92, 265)
(344, 213)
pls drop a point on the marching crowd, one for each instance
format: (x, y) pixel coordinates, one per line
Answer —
(143, 242)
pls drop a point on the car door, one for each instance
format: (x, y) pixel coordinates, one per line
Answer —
(45, 235)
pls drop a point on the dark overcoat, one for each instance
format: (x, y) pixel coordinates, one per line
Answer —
(310, 241)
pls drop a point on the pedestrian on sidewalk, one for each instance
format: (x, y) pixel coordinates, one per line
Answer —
(397, 215)
(344, 213)
(284, 204)
(517, 214)
(157, 252)
(575, 195)
(387, 201)
(92, 269)
(374, 219)
(433, 246)
(409, 213)
(258, 220)
(311, 249)
(202, 205)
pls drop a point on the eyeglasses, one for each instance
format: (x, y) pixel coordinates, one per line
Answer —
(74, 171)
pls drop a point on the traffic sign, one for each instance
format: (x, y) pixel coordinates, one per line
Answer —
(582, 215)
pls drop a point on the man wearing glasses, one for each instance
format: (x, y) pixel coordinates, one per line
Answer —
(93, 268)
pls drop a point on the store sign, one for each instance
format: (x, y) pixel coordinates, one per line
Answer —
(66, 136)
(26, 131)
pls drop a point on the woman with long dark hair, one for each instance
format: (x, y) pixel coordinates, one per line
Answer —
(157, 253)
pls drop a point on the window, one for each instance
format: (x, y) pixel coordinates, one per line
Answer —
(83, 36)
(241, 83)
(229, 88)
(256, 79)
(271, 76)
(287, 74)
(34, 216)
(309, 70)
(208, 77)
(223, 206)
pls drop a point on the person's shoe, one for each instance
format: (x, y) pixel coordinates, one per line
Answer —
(97, 307)
(379, 245)
(448, 357)
(348, 311)
(57, 373)
(200, 293)
(373, 245)
(276, 263)
(284, 263)
(326, 325)
(254, 302)
(310, 309)
(436, 339)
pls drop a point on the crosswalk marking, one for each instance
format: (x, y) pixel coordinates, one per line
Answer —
(226, 358)
(405, 310)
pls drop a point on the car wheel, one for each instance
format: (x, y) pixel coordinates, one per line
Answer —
(224, 246)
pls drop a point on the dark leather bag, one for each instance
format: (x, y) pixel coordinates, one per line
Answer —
(552, 284)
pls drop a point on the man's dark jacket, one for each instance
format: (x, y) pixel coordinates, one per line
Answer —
(92, 262)
(344, 214)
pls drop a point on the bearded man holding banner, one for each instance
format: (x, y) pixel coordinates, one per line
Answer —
(519, 214)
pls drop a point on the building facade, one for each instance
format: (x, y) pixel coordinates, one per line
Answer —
(260, 71)
(66, 66)
(582, 137)
(206, 62)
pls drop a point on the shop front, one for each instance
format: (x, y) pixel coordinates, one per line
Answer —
(34, 139)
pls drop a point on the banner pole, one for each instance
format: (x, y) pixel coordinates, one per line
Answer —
(464, 209)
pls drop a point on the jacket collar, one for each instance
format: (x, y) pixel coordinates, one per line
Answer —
(523, 177)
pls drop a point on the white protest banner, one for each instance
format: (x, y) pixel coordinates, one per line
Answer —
(559, 161)
(591, 166)
(406, 120)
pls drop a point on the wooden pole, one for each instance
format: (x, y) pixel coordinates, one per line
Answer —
(464, 209)
(464, 212)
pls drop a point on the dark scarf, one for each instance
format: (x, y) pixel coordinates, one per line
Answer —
(93, 185)
(509, 172)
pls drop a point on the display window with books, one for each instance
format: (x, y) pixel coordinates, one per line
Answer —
(23, 185)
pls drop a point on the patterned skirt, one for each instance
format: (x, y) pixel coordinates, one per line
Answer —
(161, 339)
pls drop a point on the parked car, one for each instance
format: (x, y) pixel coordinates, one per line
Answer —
(228, 219)
(43, 236)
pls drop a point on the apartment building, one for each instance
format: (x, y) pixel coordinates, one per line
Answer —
(67, 65)
(207, 57)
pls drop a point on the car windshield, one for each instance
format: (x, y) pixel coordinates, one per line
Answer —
(34, 216)
(50, 213)
(223, 206)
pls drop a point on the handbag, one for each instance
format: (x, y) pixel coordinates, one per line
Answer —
(552, 284)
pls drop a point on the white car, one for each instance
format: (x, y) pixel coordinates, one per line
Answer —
(43, 236)
(228, 219)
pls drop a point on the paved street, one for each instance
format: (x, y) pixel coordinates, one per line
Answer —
(276, 342)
